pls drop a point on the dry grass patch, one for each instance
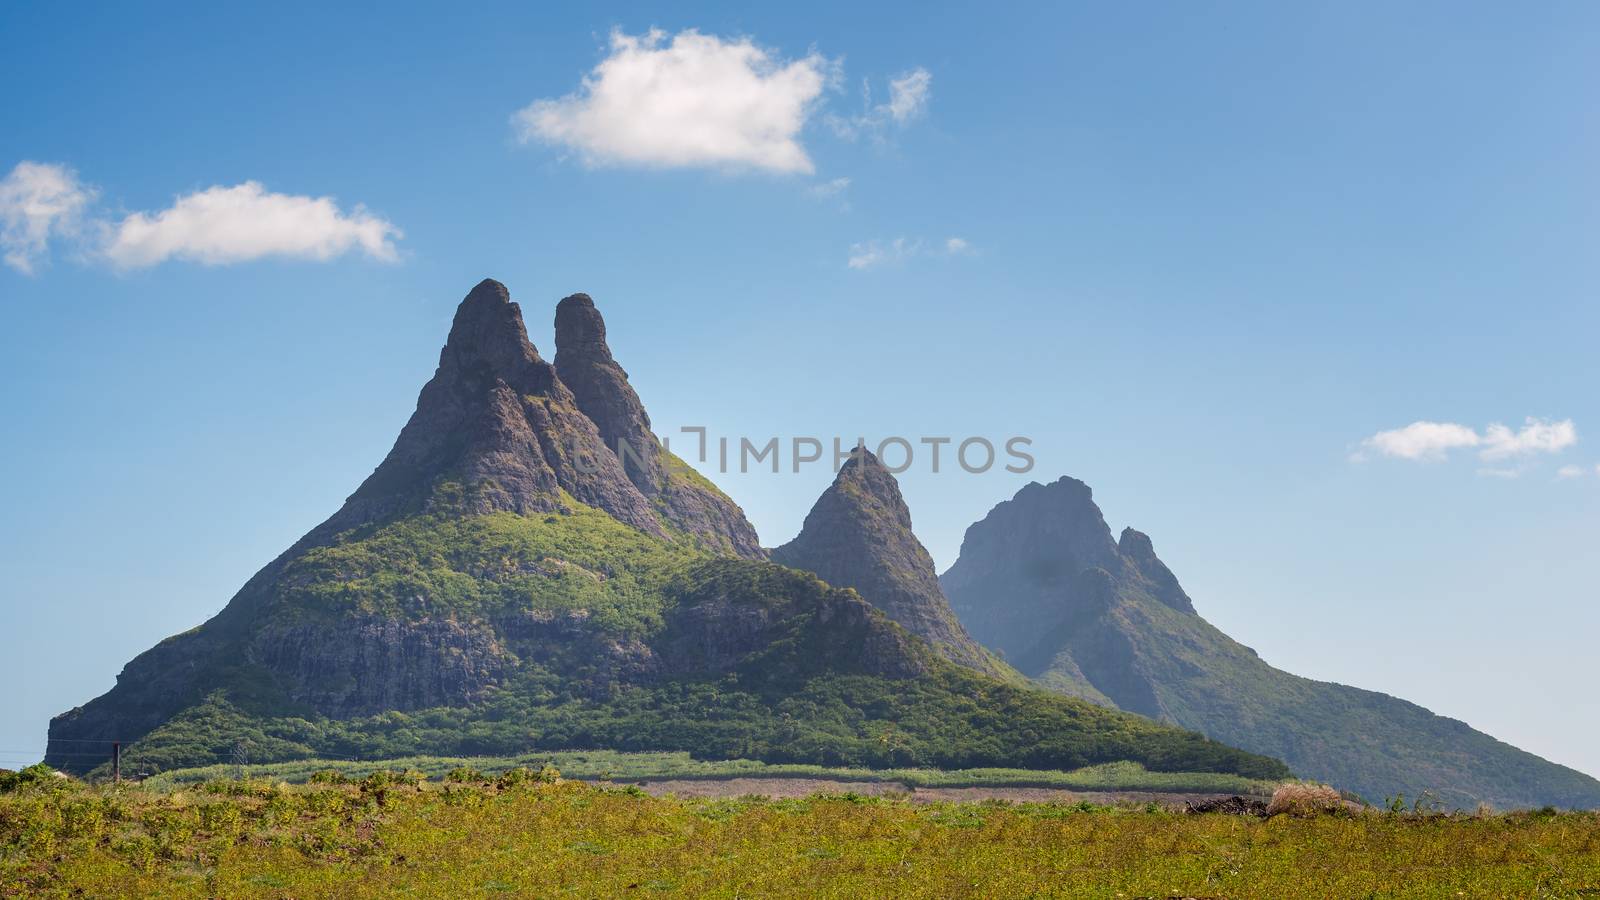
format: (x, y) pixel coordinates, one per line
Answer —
(1305, 800)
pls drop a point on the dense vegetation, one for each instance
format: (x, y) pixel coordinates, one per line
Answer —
(526, 833)
(487, 565)
(951, 721)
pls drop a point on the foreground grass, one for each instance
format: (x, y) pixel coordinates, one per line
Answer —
(611, 765)
(520, 836)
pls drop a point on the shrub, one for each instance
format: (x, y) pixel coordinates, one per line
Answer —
(516, 777)
(36, 774)
(379, 779)
(1305, 800)
(547, 774)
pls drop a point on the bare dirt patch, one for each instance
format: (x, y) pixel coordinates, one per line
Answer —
(790, 788)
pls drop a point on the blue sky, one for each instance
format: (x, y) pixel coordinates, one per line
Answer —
(1205, 254)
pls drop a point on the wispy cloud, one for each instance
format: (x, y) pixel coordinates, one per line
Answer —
(1570, 472)
(45, 203)
(909, 96)
(871, 254)
(39, 202)
(828, 189)
(696, 100)
(1425, 441)
(1509, 473)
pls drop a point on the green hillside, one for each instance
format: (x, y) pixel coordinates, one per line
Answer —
(824, 679)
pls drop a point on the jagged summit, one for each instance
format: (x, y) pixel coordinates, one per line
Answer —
(858, 534)
(496, 421)
(1045, 536)
(600, 388)
(488, 329)
(602, 391)
(578, 322)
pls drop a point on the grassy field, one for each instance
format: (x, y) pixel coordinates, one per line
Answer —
(611, 765)
(525, 834)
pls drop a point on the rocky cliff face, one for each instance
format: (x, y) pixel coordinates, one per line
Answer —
(601, 389)
(1041, 579)
(858, 535)
(372, 664)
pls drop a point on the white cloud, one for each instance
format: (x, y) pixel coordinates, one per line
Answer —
(1566, 472)
(1428, 441)
(221, 225)
(1536, 436)
(41, 203)
(696, 101)
(908, 101)
(38, 202)
(955, 245)
(1433, 441)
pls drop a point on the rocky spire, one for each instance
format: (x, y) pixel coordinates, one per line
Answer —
(601, 390)
(858, 535)
(1136, 548)
(496, 420)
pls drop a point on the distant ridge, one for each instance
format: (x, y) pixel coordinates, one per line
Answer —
(1041, 579)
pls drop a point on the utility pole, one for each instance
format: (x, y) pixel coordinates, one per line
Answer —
(116, 761)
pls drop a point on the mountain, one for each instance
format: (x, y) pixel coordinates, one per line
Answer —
(858, 535)
(1041, 579)
(505, 582)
